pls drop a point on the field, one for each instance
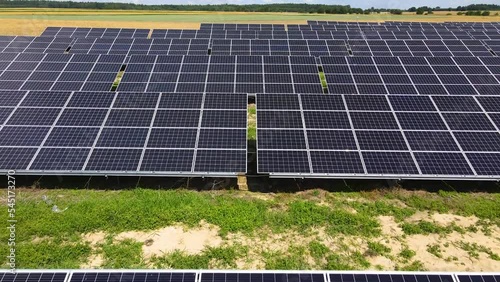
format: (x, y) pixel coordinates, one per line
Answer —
(281, 224)
(33, 21)
(382, 229)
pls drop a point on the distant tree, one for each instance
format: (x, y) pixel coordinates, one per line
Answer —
(420, 11)
(485, 14)
(412, 9)
(430, 12)
(396, 12)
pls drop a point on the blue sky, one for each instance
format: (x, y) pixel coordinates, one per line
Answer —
(354, 3)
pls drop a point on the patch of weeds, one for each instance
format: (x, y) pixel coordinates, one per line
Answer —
(451, 258)
(49, 254)
(252, 133)
(318, 250)
(123, 254)
(180, 260)
(224, 257)
(472, 229)
(484, 206)
(359, 260)
(414, 266)
(304, 215)
(407, 253)
(337, 262)
(473, 249)
(380, 207)
(424, 227)
(485, 227)
(435, 249)
(377, 249)
(292, 259)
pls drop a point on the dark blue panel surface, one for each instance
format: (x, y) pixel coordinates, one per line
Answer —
(220, 161)
(114, 160)
(443, 163)
(282, 162)
(60, 159)
(389, 163)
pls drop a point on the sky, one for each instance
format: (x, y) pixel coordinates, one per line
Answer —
(394, 4)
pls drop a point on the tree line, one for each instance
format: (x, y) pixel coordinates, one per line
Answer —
(285, 7)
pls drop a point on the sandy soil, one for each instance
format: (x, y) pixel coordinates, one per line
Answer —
(453, 257)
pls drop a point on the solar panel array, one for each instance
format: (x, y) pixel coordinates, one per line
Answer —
(223, 74)
(38, 71)
(131, 133)
(379, 135)
(33, 276)
(140, 46)
(30, 44)
(241, 276)
(280, 47)
(405, 100)
(230, 26)
(370, 46)
(95, 32)
(412, 75)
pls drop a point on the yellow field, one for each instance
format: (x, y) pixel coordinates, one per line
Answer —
(36, 26)
(31, 21)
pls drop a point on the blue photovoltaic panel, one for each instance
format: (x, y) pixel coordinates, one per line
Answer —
(33, 276)
(77, 133)
(266, 277)
(478, 277)
(132, 276)
(377, 136)
(417, 277)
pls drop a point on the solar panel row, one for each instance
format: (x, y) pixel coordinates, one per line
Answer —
(104, 132)
(229, 26)
(412, 75)
(95, 32)
(318, 34)
(37, 71)
(293, 47)
(379, 135)
(244, 276)
(224, 74)
(312, 47)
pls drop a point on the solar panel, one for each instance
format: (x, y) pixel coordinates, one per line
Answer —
(376, 136)
(60, 72)
(239, 74)
(124, 133)
(33, 276)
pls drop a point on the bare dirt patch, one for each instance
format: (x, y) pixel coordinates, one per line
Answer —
(172, 238)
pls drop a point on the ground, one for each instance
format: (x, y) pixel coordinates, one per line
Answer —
(31, 21)
(382, 229)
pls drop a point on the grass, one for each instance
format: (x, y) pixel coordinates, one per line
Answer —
(53, 240)
(473, 249)
(407, 254)
(124, 254)
(50, 254)
(252, 123)
(117, 80)
(484, 206)
(377, 249)
(221, 257)
(322, 77)
(435, 249)
(427, 227)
